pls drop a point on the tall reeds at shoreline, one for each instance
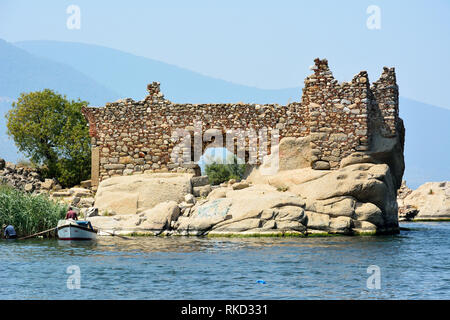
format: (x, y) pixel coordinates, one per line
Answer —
(28, 213)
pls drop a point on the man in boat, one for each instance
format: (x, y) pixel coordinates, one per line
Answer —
(9, 232)
(71, 214)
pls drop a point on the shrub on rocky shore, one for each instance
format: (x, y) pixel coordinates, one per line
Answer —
(28, 213)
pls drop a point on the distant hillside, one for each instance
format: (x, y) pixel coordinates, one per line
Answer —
(129, 74)
(99, 74)
(21, 71)
(427, 143)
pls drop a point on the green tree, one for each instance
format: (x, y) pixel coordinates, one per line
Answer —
(52, 132)
(222, 172)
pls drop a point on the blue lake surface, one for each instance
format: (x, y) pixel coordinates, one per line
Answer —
(413, 265)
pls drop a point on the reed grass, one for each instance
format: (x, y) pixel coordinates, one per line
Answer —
(29, 213)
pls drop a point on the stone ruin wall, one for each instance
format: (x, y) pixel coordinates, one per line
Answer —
(135, 136)
(342, 117)
(130, 137)
(384, 111)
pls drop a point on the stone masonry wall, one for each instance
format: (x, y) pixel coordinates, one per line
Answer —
(384, 103)
(337, 115)
(131, 137)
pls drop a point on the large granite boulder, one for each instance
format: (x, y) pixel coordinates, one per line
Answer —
(359, 198)
(241, 210)
(150, 222)
(160, 217)
(431, 201)
(119, 224)
(362, 191)
(137, 193)
(365, 183)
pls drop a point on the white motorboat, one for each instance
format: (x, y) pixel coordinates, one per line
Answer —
(76, 230)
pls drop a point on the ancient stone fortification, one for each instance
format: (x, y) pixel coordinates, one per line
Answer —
(339, 118)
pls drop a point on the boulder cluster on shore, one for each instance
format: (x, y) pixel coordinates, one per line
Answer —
(25, 178)
(359, 198)
(29, 180)
(356, 199)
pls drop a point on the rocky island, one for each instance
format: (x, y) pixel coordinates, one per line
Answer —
(338, 163)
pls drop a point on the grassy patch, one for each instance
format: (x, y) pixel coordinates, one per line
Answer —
(29, 213)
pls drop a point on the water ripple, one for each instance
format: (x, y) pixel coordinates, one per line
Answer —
(414, 265)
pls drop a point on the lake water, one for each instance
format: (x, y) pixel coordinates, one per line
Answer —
(413, 265)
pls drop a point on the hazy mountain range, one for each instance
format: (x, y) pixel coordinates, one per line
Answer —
(98, 75)
(128, 75)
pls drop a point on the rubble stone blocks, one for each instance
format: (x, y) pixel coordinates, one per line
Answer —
(131, 137)
(25, 179)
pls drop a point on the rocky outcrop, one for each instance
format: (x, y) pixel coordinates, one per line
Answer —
(363, 192)
(357, 199)
(26, 179)
(29, 180)
(431, 201)
(138, 193)
(150, 222)
(80, 199)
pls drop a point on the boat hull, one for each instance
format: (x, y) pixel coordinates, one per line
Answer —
(73, 232)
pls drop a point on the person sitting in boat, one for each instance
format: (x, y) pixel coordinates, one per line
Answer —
(9, 232)
(71, 214)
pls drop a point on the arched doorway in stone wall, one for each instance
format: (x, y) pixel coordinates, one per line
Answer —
(194, 147)
(232, 148)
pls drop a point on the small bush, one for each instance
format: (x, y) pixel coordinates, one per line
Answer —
(282, 188)
(221, 172)
(431, 191)
(28, 213)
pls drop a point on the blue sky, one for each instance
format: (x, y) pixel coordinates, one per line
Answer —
(266, 44)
